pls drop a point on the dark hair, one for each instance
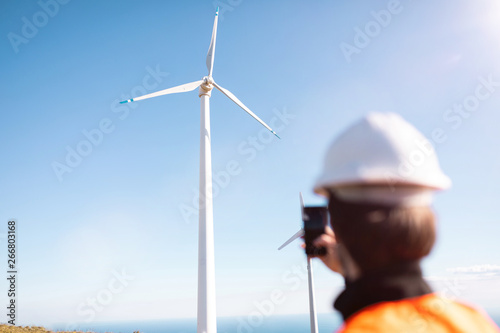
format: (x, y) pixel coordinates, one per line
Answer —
(378, 235)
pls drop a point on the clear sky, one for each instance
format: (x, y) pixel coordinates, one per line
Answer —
(112, 234)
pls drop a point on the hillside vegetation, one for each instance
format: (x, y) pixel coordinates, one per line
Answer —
(35, 329)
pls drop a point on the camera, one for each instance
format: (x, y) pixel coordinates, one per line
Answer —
(315, 221)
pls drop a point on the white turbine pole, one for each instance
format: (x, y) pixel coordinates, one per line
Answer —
(207, 320)
(312, 303)
(206, 262)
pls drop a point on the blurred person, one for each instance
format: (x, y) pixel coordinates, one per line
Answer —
(379, 177)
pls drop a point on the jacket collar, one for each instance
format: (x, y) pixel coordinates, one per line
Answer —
(393, 283)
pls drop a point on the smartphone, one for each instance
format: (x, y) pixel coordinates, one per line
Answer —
(315, 221)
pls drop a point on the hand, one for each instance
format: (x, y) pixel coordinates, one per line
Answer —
(331, 259)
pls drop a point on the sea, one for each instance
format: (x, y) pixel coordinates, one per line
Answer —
(257, 324)
(249, 324)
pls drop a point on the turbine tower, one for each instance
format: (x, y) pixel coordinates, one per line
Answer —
(206, 263)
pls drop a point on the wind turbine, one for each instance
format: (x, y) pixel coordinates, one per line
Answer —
(312, 303)
(206, 263)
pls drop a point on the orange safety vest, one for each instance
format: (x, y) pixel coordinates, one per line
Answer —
(427, 313)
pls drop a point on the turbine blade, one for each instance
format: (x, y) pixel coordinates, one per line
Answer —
(211, 49)
(241, 105)
(298, 234)
(182, 88)
(302, 207)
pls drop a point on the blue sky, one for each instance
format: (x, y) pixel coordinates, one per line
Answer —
(112, 227)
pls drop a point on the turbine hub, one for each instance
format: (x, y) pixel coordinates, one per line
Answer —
(206, 87)
(207, 83)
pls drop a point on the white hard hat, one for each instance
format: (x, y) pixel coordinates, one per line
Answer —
(387, 153)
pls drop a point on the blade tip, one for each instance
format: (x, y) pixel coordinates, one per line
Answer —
(276, 134)
(127, 101)
(217, 11)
